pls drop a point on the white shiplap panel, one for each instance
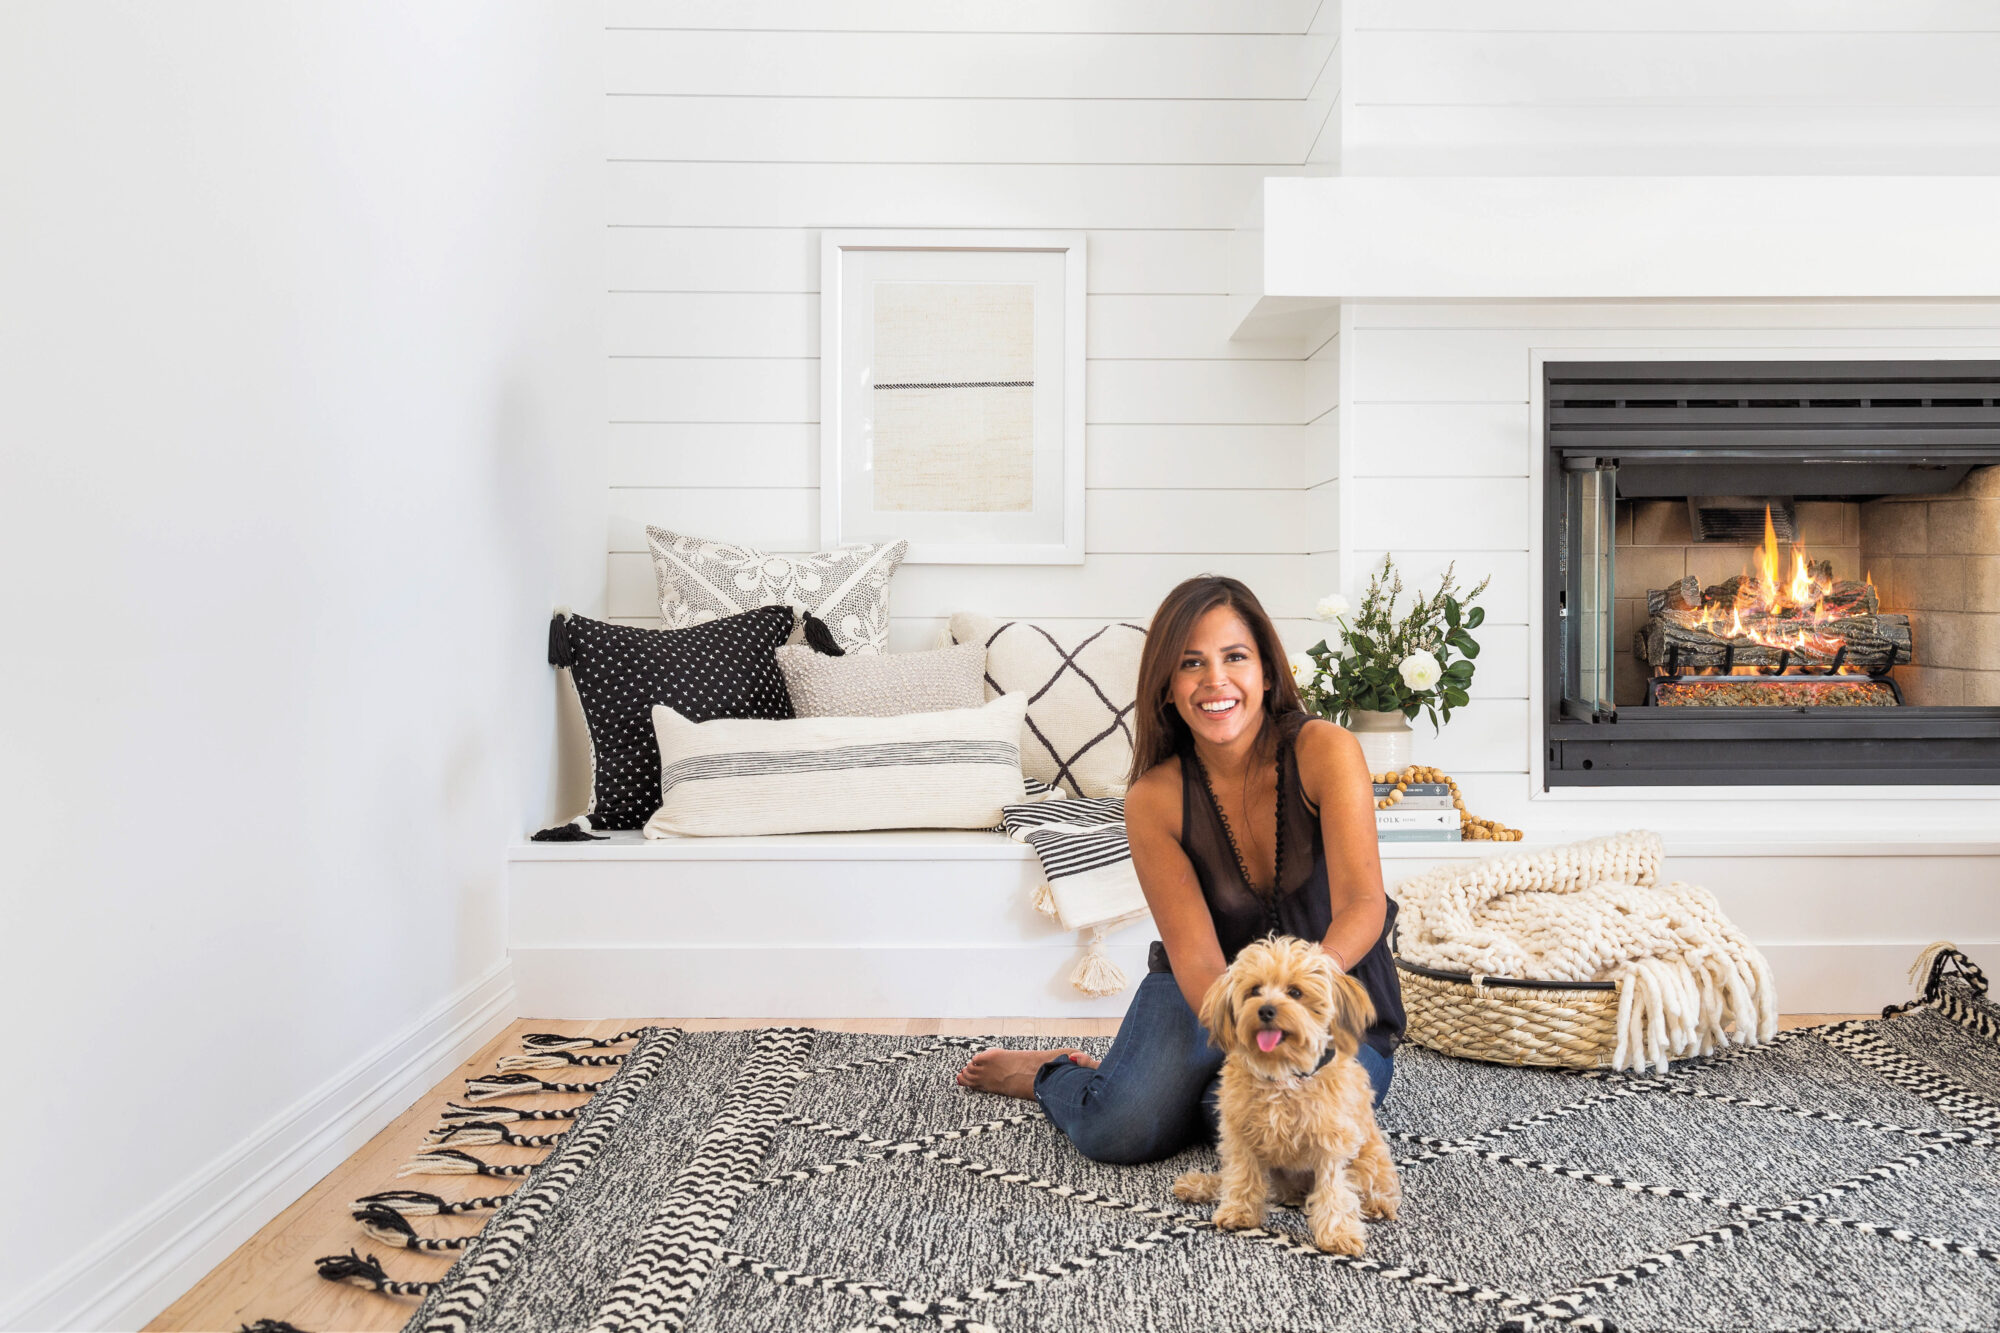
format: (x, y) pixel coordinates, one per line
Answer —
(1487, 736)
(769, 518)
(1143, 392)
(1163, 327)
(1501, 669)
(954, 129)
(1094, 16)
(1323, 517)
(1505, 599)
(1684, 68)
(1211, 521)
(712, 324)
(1122, 522)
(786, 259)
(919, 64)
(1440, 513)
(1737, 317)
(740, 454)
(1670, 139)
(1321, 376)
(1438, 366)
(705, 389)
(1439, 440)
(1655, 16)
(1104, 587)
(1177, 457)
(1323, 449)
(818, 194)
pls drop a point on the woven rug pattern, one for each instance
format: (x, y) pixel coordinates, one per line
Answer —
(1840, 1177)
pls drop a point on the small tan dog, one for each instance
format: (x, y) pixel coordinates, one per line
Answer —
(1274, 1013)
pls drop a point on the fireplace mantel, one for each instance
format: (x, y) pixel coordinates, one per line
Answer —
(1315, 242)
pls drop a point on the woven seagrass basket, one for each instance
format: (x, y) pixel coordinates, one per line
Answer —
(1511, 1022)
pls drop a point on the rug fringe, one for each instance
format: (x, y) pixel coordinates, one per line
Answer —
(502, 1085)
(479, 1133)
(352, 1268)
(1946, 971)
(460, 1111)
(556, 1041)
(391, 1228)
(452, 1162)
(513, 1063)
(416, 1203)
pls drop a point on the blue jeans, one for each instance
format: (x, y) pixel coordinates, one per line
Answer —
(1155, 1093)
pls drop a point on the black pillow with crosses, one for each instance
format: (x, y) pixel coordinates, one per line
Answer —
(721, 668)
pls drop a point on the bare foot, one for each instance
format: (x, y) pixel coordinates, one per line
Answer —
(1012, 1073)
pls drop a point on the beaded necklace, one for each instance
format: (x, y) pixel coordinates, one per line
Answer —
(1278, 842)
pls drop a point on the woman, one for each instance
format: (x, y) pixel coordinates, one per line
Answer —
(1246, 817)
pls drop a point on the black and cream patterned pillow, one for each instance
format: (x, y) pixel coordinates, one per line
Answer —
(848, 588)
(1080, 683)
(724, 668)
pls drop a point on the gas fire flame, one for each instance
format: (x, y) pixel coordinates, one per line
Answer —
(1796, 602)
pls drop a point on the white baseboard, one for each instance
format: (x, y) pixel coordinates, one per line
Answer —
(131, 1275)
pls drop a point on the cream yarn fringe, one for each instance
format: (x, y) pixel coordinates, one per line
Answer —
(1689, 983)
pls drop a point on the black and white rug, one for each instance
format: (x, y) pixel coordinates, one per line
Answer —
(1842, 1177)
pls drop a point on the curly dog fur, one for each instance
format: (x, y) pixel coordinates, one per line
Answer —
(1284, 1116)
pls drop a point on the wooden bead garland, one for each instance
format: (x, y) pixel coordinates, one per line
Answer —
(1471, 827)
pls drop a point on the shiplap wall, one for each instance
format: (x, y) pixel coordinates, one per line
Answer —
(1664, 87)
(737, 132)
(1437, 445)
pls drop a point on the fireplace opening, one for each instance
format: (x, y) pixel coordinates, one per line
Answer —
(1772, 572)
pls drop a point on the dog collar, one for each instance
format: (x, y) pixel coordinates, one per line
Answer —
(1294, 1076)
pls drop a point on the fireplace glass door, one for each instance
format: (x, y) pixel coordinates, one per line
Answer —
(1587, 550)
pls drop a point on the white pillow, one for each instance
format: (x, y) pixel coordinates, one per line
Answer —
(882, 684)
(1081, 679)
(848, 588)
(953, 769)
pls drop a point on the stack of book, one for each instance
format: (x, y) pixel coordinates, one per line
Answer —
(1425, 814)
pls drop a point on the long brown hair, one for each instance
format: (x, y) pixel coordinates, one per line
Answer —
(1158, 731)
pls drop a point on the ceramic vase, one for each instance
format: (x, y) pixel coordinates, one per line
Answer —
(1385, 739)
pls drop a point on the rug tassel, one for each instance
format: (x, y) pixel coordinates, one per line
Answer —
(513, 1063)
(452, 1162)
(1096, 974)
(268, 1326)
(500, 1085)
(416, 1203)
(391, 1228)
(1935, 963)
(556, 1041)
(490, 1114)
(352, 1268)
(479, 1133)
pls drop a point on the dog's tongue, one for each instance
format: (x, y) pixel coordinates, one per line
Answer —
(1268, 1039)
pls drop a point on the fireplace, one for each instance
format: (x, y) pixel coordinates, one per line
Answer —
(1771, 572)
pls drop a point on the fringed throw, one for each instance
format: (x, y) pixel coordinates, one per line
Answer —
(1689, 983)
(1088, 879)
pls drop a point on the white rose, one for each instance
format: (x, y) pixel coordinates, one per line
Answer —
(1303, 670)
(1420, 670)
(1332, 607)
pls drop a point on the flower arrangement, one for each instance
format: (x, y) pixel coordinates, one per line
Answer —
(1384, 664)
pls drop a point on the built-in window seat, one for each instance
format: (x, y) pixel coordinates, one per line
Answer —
(941, 924)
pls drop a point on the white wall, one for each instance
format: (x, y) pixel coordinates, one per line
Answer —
(737, 132)
(300, 394)
(1669, 87)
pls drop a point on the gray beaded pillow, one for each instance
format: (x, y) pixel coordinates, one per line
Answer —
(883, 684)
(702, 580)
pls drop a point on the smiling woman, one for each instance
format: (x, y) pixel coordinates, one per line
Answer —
(1246, 818)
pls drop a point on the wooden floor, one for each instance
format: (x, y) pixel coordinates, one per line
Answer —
(270, 1276)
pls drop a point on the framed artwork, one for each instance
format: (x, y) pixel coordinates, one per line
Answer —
(951, 394)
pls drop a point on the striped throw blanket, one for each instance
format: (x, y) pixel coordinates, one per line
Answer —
(1087, 864)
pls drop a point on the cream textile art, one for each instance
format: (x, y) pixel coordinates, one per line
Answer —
(954, 397)
(1689, 983)
(702, 580)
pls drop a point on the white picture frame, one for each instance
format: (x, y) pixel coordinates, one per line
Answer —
(950, 446)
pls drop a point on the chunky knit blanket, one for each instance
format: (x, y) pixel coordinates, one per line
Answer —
(1689, 983)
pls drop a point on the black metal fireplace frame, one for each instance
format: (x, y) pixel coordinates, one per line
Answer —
(1750, 427)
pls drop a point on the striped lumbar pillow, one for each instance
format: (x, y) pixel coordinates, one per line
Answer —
(952, 769)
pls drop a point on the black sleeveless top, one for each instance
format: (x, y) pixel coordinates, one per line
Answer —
(1304, 904)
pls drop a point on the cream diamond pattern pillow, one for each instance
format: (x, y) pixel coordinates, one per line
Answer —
(703, 580)
(1081, 683)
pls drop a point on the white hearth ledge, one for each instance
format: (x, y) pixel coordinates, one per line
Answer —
(1329, 239)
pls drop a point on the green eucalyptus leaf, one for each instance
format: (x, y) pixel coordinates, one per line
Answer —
(1474, 617)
